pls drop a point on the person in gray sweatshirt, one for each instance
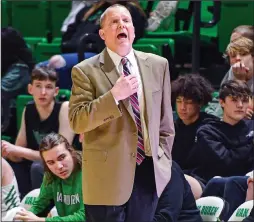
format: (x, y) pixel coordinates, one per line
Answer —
(240, 55)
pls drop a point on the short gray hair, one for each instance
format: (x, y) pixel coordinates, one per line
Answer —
(103, 15)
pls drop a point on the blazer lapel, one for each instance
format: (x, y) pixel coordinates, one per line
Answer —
(108, 67)
(145, 73)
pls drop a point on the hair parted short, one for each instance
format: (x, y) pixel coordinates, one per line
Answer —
(44, 73)
(234, 88)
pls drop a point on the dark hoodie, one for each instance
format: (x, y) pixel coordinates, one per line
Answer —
(224, 150)
(185, 139)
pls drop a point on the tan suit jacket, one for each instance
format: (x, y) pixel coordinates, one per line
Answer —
(110, 132)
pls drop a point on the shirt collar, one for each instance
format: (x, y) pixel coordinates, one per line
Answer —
(117, 58)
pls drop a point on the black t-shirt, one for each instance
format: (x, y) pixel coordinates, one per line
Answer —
(37, 129)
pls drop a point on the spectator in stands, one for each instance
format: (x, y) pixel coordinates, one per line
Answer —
(40, 117)
(16, 66)
(235, 190)
(10, 192)
(62, 182)
(88, 21)
(240, 55)
(225, 147)
(76, 6)
(191, 92)
(162, 10)
(177, 202)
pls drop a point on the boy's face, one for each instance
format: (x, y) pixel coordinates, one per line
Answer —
(59, 161)
(187, 109)
(43, 91)
(234, 108)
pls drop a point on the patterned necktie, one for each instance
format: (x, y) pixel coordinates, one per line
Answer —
(136, 111)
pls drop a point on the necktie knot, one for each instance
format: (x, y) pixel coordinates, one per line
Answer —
(126, 70)
(124, 61)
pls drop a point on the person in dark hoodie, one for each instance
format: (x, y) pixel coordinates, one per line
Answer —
(191, 92)
(225, 147)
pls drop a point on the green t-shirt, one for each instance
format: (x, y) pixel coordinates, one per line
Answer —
(67, 196)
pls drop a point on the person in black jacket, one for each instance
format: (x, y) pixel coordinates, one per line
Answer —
(225, 147)
(191, 92)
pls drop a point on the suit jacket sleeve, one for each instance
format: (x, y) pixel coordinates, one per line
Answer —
(167, 129)
(86, 112)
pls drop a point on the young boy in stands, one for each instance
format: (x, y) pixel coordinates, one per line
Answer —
(62, 182)
(190, 92)
(240, 55)
(225, 147)
(40, 117)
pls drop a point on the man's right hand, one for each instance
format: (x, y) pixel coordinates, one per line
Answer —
(240, 71)
(125, 86)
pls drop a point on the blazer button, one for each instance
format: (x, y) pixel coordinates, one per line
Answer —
(133, 154)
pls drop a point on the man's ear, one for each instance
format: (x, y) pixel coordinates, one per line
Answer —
(101, 33)
(29, 89)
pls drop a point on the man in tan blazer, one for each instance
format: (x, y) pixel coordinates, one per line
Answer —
(121, 103)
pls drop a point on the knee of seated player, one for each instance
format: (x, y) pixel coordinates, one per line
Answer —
(250, 192)
(195, 186)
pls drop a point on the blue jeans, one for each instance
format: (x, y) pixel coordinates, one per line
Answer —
(231, 189)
